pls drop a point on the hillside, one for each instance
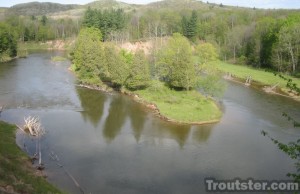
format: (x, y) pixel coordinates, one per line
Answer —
(36, 8)
(112, 4)
(178, 4)
(57, 11)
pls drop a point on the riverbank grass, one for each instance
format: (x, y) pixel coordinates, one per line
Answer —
(32, 45)
(182, 106)
(16, 172)
(58, 58)
(258, 75)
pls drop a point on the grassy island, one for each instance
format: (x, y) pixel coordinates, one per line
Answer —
(170, 84)
(182, 106)
(16, 172)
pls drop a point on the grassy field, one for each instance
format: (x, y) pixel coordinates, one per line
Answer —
(16, 171)
(182, 106)
(261, 76)
(58, 58)
(32, 46)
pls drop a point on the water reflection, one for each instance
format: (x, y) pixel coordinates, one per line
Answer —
(202, 133)
(179, 133)
(149, 155)
(92, 103)
(115, 119)
(137, 120)
(121, 108)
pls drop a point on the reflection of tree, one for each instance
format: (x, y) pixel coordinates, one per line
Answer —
(178, 132)
(115, 119)
(202, 133)
(137, 118)
(92, 102)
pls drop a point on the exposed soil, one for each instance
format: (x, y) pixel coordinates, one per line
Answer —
(133, 47)
(60, 44)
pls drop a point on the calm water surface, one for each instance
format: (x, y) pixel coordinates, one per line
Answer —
(111, 144)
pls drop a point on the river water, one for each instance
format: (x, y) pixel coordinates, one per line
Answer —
(111, 144)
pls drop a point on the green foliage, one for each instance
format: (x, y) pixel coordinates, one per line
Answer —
(44, 20)
(206, 53)
(212, 84)
(115, 67)
(288, 47)
(189, 26)
(107, 21)
(139, 75)
(268, 39)
(209, 79)
(41, 28)
(8, 42)
(88, 54)
(175, 63)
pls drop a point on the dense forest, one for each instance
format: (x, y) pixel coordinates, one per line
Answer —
(261, 38)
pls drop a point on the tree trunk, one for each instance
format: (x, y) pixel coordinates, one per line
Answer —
(293, 58)
(234, 53)
(40, 152)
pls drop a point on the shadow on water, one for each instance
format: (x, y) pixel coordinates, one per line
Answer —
(137, 120)
(115, 119)
(181, 133)
(92, 103)
(202, 133)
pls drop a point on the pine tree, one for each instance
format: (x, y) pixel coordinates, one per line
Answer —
(88, 55)
(192, 26)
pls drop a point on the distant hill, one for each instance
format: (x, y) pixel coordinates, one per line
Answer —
(112, 4)
(36, 8)
(99, 4)
(178, 4)
(58, 11)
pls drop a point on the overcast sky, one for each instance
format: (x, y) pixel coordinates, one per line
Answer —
(246, 3)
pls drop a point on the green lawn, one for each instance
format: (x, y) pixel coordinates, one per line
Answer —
(182, 106)
(258, 75)
(15, 167)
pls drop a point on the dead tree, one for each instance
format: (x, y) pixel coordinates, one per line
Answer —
(35, 129)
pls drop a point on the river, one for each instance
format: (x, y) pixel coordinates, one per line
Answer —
(111, 144)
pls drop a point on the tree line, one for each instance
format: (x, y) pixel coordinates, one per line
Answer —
(259, 38)
(16, 29)
(97, 62)
(42, 28)
(108, 21)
